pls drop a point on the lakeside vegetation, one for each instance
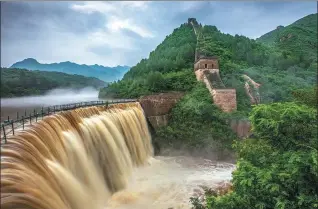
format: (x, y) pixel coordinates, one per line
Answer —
(21, 82)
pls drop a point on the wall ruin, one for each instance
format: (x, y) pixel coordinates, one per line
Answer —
(222, 97)
(200, 73)
(225, 99)
(158, 106)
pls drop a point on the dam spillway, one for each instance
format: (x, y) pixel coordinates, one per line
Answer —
(74, 159)
(99, 158)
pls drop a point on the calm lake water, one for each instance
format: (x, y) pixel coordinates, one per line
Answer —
(26, 105)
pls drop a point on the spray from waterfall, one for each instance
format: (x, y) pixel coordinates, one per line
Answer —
(75, 159)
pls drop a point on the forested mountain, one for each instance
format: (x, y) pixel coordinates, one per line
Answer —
(280, 68)
(299, 38)
(22, 82)
(107, 74)
(169, 67)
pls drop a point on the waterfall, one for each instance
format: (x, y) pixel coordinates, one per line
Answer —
(74, 159)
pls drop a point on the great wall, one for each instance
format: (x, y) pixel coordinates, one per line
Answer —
(206, 69)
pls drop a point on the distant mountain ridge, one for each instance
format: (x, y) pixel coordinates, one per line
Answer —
(104, 73)
(22, 82)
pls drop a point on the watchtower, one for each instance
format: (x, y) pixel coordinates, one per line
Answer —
(206, 69)
(205, 62)
(193, 20)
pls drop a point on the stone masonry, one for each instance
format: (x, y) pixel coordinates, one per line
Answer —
(158, 106)
(223, 98)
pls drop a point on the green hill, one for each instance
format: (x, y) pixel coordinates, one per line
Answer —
(169, 67)
(271, 37)
(281, 67)
(21, 82)
(298, 38)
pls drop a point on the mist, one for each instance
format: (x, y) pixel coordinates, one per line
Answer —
(53, 97)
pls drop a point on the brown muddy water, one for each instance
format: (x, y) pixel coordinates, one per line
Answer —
(169, 182)
(161, 182)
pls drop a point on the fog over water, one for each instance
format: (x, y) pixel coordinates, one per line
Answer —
(53, 97)
(10, 106)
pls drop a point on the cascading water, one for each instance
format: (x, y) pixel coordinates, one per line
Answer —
(96, 158)
(75, 159)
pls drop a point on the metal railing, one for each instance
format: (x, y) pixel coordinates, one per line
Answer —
(9, 126)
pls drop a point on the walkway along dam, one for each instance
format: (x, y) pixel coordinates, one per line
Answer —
(97, 157)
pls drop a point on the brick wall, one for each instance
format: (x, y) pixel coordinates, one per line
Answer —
(159, 104)
(200, 73)
(225, 99)
(158, 121)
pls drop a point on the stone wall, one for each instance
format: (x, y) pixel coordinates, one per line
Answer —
(158, 106)
(225, 99)
(200, 73)
(158, 121)
(208, 85)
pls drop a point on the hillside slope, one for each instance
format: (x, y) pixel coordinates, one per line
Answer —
(299, 38)
(170, 65)
(107, 74)
(22, 82)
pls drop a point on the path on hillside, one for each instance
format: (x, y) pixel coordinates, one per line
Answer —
(197, 36)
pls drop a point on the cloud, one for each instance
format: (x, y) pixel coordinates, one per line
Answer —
(123, 32)
(93, 6)
(191, 5)
(136, 4)
(114, 11)
(116, 24)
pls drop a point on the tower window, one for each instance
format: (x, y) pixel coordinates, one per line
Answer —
(212, 66)
(206, 65)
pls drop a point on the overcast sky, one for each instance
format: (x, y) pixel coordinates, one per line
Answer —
(122, 33)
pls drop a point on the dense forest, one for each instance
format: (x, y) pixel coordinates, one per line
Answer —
(21, 82)
(278, 166)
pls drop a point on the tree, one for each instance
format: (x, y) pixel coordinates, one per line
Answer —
(279, 169)
(156, 82)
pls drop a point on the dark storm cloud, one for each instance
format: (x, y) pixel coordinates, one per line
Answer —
(112, 33)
